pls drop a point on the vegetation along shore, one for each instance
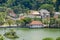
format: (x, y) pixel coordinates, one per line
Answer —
(30, 13)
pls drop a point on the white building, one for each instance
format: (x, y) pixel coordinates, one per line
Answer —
(36, 24)
(34, 14)
(44, 13)
(56, 14)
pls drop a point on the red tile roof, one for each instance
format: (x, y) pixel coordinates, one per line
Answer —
(35, 22)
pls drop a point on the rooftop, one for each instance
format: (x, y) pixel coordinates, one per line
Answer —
(36, 22)
(44, 11)
(57, 13)
(34, 12)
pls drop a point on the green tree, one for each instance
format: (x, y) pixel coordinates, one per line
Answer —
(57, 5)
(48, 1)
(45, 21)
(1, 21)
(10, 22)
(27, 20)
(11, 34)
(47, 39)
(19, 22)
(38, 19)
(10, 3)
(2, 17)
(2, 2)
(1, 37)
(58, 38)
(58, 22)
(24, 4)
(52, 21)
(48, 7)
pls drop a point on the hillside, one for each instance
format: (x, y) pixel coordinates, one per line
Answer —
(23, 6)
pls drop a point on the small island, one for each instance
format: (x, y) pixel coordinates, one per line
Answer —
(11, 34)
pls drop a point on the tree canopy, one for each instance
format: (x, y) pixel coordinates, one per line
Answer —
(21, 6)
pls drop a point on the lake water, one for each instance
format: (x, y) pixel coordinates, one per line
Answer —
(33, 34)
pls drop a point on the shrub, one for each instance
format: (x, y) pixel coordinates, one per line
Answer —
(48, 39)
(1, 37)
(58, 38)
(11, 34)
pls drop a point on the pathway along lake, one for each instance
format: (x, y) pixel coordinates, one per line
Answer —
(33, 34)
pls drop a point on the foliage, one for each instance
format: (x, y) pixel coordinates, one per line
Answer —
(57, 5)
(45, 21)
(49, 7)
(47, 39)
(19, 22)
(58, 38)
(11, 34)
(1, 37)
(21, 6)
(27, 20)
(38, 19)
(58, 22)
(10, 22)
(2, 17)
(2, 9)
(52, 20)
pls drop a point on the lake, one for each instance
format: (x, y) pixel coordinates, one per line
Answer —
(33, 34)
